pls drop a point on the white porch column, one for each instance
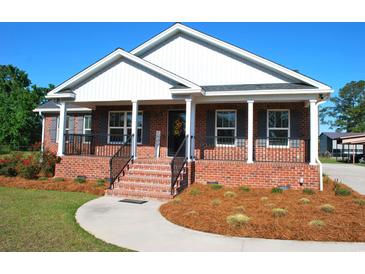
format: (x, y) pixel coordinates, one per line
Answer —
(250, 132)
(43, 122)
(61, 128)
(134, 128)
(192, 130)
(188, 103)
(313, 131)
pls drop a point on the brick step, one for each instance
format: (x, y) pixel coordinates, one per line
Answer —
(145, 166)
(145, 179)
(147, 195)
(142, 186)
(153, 161)
(149, 173)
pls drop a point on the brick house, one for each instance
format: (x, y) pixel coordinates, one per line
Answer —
(183, 108)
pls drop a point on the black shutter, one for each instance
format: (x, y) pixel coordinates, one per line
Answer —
(210, 129)
(53, 129)
(262, 128)
(295, 122)
(241, 129)
(103, 126)
(146, 128)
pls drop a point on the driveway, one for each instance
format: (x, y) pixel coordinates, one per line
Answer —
(351, 175)
(141, 227)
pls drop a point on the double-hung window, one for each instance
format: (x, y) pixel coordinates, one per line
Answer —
(225, 127)
(278, 127)
(120, 126)
(67, 129)
(87, 128)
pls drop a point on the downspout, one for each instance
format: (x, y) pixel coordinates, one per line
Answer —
(42, 142)
(317, 159)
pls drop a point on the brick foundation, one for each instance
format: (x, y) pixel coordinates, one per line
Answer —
(235, 173)
(91, 167)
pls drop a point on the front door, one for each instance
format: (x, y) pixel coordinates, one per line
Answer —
(176, 132)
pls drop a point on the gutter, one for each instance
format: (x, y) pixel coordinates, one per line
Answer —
(317, 159)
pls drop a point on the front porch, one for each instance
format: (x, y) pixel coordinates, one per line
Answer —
(228, 143)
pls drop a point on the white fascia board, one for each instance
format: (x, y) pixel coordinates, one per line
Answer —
(109, 59)
(186, 91)
(268, 92)
(61, 95)
(45, 110)
(224, 45)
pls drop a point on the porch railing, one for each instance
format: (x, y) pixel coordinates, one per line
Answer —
(120, 160)
(220, 148)
(177, 164)
(94, 144)
(291, 150)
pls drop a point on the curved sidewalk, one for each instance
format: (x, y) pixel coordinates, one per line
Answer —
(141, 227)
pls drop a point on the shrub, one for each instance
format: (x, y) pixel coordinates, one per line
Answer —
(215, 186)
(238, 220)
(8, 171)
(270, 204)
(229, 194)
(279, 212)
(327, 208)
(360, 202)
(28, 168)
(317, 223)
(308, 191)
(239, 209)
(216, 202)
(276, 190)
(342, 192)
(264, 199)
(244, 188)
(79, 180)
(304, 201)
(195, 192)
(48, 163)
(58, 179)
(100, 182)
(42, 178)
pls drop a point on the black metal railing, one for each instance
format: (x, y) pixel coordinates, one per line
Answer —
(220, 148)
(291, 150)
(94, 144)
(120, 160)
(178, 163)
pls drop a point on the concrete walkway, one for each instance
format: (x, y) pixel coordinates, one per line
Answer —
(142, 228)
(351, 175)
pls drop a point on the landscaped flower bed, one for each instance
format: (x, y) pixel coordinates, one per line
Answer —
(331, 215)
(96, 187)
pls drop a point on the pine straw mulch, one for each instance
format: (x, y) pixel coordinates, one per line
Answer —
(346, 223)
(68, 185)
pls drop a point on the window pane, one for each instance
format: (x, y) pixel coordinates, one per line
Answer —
(67, 122)
(129, 119)
(226, 119)
(284, 118)
(87, 122)
(225, 136)
(116, 135)
(87, 137)
(139, 119)
(272, 119)
(278, 137)
(116, 119)
(278, 119)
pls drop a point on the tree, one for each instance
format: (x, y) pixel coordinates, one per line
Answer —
(348, 108)
(19, 126)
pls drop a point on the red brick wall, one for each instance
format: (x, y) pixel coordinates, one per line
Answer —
(236, 173)
(91, 167)
(48, 144)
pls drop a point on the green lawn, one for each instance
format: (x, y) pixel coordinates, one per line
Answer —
(40, 220)
(325, 160)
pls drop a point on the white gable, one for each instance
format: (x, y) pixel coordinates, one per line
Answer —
(124, 80)
(205, 64)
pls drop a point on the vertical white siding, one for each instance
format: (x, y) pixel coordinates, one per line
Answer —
(123, 81)
(205, 65)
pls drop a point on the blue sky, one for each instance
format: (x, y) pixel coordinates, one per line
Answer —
(333, 53)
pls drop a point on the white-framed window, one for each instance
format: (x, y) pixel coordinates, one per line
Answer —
(278, 127)
(86, 129)
(120, 125)
(225, 127)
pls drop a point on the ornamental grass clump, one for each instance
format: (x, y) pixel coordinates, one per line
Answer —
(177, 200)
(216, 202)
(303, 201)
(360, 202)
(195, 192)
(58, 179)
(80, 180)
(279, 212)
(244, 188)
(264, 199)
(317, 223)
(216, 186)
(308, 191)
(342, 192)
(229, 194)
(238, 220)
(276, 190)
(100, 182)
(42, 178)
(327, 208)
